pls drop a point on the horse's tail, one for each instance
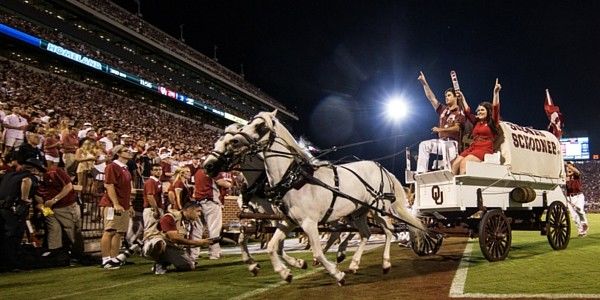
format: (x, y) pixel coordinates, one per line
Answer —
(400, 206)
(417, 229)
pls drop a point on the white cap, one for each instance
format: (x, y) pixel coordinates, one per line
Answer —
(87, 124)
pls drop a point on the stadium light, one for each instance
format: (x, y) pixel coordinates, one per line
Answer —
(396, 108)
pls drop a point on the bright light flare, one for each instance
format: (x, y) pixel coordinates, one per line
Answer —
(396, 108)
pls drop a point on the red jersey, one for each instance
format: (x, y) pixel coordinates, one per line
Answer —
(193, 170)
(166, 168)
(153, 187)
(52, 151)
(70, 143)
(203, 186)
(116, 173)
(167, 223)
(573, 185)
(54, 180)
(185, 193)
(449, 118)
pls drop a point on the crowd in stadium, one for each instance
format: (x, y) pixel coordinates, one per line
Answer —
(72, 104)
(76, 128)
(590, 171)
(86, 49)
(118, 14)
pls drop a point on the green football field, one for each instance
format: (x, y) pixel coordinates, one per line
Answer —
(531, 268)
(534, 268)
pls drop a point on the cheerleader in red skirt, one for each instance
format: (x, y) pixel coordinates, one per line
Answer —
(485, 130)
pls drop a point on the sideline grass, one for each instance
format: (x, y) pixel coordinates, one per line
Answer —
(532, 267)
(220, 279)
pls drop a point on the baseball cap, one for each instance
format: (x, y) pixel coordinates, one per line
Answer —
(36, 163)
(87, 124)
(125, 136)
(191, 204)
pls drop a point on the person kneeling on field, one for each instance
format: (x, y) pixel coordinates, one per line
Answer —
(165, 241)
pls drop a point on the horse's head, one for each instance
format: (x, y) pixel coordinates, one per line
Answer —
(220, 158)
(255, 135)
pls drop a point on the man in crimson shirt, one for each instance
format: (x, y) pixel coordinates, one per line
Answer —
(153, 205)
(575, 199)
(70, 143)
(451, 123)
(56, 193)
(165, 241)
(116, 206)
(207, 193)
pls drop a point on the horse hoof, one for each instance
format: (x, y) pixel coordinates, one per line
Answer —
(304, 265)
(316, 263)
(341, 258)
(254, 271)
(289, 278)
(257, 266)
(341, 282)
(386, 270)
(353, 271)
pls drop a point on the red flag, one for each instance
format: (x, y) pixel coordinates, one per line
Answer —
(554, 115)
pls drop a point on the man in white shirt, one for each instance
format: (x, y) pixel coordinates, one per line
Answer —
(15, 126)
(108, 140)
(87, 126)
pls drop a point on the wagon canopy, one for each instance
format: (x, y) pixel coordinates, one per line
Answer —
(531, 152)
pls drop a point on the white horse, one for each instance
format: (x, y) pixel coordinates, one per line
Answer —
(252, 200)
(252, 170)
(362, 186)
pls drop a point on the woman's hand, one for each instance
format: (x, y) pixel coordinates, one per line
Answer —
(497, 87)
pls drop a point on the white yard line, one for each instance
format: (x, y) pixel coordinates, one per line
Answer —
(370, 247)
(458, 285)
(87, 291)
(275, 285)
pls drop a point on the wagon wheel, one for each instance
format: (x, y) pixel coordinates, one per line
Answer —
(558, 226)
(431, 242)
(494, 235)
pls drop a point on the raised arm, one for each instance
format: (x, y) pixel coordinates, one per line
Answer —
(496, 101)
(463, 100)
(573, 168)
(428, 92)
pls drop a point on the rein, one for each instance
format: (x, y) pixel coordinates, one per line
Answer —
(300, 172)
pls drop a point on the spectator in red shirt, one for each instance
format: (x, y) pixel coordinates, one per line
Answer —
(206, 191)
(164, 240)
(56, 193)
(179, 191)
(70, 143)
(51, 147)
(153, 208)
(116, 206)
(167, 170)
(576, 199)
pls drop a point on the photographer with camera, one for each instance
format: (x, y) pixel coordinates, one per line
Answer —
(169, 241)
(17, 190)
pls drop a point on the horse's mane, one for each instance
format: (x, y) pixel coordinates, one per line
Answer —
(285, 135)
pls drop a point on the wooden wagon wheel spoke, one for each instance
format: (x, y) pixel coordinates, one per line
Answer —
(494, 235)
(558, 225)
(431, 241)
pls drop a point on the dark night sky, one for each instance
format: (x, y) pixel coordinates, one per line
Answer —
(334, 62)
